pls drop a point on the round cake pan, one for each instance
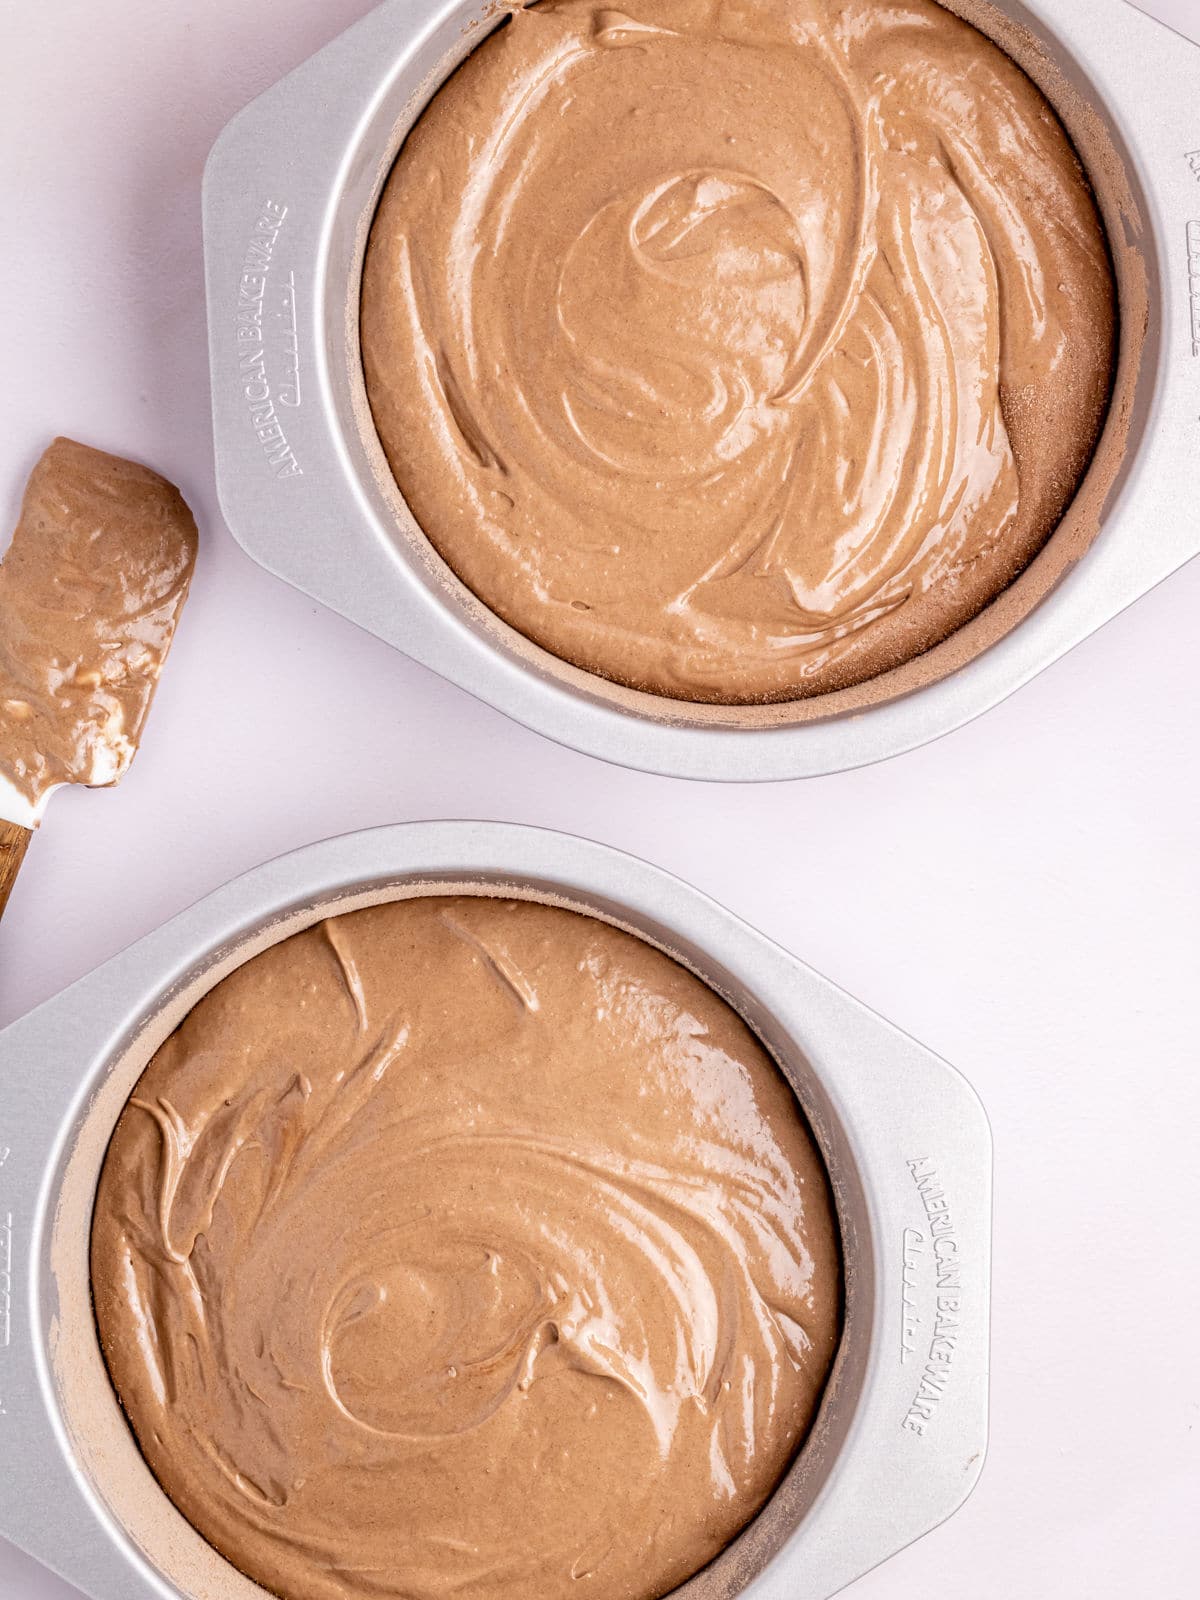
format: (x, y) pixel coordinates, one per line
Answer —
(290, 191)
(899, 1441)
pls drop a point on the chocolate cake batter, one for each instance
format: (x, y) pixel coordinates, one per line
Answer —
(90, 592)
(737, 352)
(465, 1247)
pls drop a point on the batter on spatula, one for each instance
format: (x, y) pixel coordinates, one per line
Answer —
(90, 592)
(91, 589)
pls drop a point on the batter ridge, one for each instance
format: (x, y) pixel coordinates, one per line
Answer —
(737, 352)
(465, 1247)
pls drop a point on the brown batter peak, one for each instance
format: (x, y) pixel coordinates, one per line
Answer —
(466, 1247)
(737, 352)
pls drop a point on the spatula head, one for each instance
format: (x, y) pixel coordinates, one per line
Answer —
(90, 593)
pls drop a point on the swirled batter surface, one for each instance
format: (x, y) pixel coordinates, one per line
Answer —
(465, 1247)
(737, 351)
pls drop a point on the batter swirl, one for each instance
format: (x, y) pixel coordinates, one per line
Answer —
(737, 351)
(465, 1247)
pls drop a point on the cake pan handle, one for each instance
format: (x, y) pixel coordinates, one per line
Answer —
(39, 1501)
(283, 485)
(917, 1343)
(1148, 76)
(24, 1455)
(276, 245)
(46, 1507)
(933, 1212)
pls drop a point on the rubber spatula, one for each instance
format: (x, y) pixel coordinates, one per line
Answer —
(91, 588)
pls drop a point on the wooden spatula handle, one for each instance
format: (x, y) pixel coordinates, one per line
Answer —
(14, 841)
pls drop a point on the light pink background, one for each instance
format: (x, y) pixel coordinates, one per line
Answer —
(1021, 896)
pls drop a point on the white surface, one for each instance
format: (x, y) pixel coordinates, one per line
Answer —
(1022, 896)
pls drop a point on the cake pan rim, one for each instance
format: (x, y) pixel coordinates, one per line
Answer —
(377, 590)
(75, 1534)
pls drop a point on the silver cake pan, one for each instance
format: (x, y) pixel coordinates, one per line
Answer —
(290, 190)
(900, 1438)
